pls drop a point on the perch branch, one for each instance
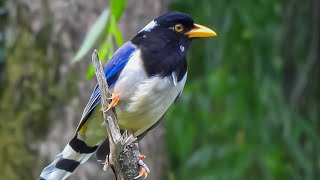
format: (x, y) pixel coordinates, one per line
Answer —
(124, 154)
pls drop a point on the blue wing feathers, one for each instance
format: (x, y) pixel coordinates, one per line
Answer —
(117, 63)
(112, 72)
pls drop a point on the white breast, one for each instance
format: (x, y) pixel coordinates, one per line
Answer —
(143, 99)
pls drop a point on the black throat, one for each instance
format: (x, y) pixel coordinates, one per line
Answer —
(163, 54)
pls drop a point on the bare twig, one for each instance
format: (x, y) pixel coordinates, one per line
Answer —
(124, 154)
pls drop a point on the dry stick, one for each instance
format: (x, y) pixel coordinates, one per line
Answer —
(124, 161)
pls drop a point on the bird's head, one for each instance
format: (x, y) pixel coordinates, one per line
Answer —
(171, 28)
(164, 43)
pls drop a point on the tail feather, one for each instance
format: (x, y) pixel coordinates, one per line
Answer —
(74, 154)
(102, 151)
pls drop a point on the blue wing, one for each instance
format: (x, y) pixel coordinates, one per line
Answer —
(112, 72)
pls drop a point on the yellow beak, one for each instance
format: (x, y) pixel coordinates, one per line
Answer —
(200, 31)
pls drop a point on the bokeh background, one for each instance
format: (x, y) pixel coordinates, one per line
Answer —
(250, 109)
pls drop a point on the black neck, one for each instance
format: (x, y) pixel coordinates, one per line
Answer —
(163, 56)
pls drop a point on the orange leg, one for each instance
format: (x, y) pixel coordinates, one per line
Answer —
(144, 171)
(142, 157)
(114, 101)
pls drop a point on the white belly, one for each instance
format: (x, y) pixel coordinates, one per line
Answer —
(143, 99)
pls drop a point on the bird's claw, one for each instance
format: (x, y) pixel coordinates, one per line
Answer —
(106, 164)
(114, 101)
(144, 171)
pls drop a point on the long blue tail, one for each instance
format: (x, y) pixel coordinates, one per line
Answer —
(75, 153)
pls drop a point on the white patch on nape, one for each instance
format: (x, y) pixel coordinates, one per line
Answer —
(174, 78)
(182, 48)
(149, 26)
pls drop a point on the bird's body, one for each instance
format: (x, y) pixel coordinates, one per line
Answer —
(144, 99)
(147, 74)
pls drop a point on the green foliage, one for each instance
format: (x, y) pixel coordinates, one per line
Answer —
(233, 120)
(93, 35)
(117, 8)
(106, 31)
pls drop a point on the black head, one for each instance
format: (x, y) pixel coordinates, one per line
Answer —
(165, 40)
(170, 28)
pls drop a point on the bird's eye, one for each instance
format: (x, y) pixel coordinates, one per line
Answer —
(178, 27)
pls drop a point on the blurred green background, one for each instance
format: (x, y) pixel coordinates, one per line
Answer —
(250, 108)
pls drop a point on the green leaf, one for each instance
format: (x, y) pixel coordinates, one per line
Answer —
(117, 35)
(104, 51)
(115, 31)
(90, 72)
(105, 48)
(117, 8)
(93, 35)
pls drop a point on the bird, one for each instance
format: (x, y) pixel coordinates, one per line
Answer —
(145, 76)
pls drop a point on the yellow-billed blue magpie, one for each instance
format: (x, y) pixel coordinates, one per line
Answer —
(146, 75)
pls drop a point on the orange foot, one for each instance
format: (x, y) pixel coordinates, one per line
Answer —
(144, 168)
(114, 101)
